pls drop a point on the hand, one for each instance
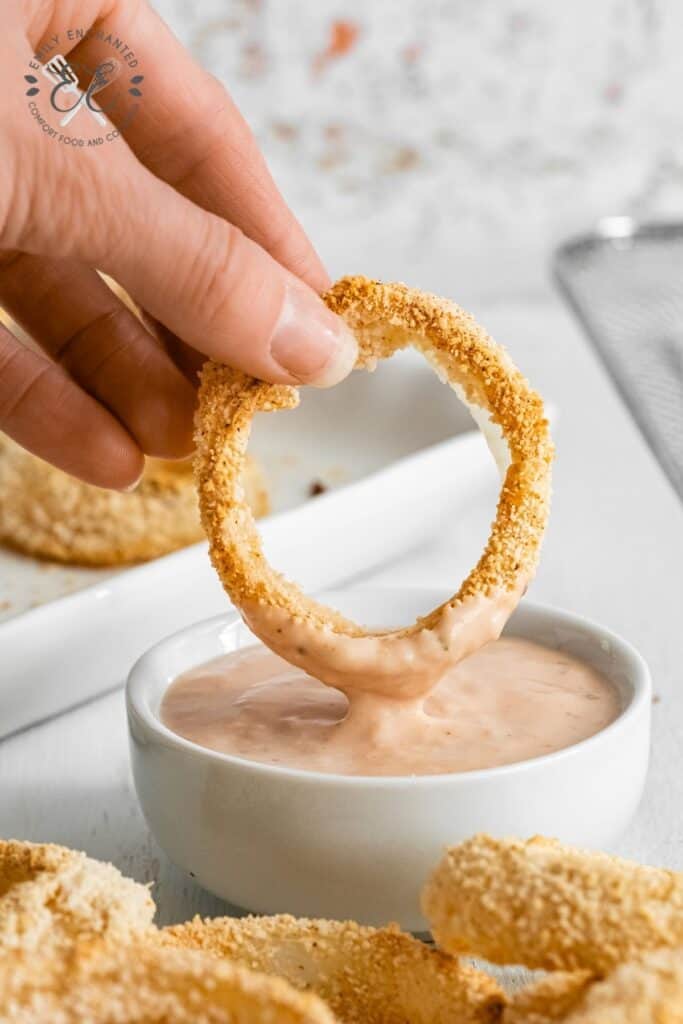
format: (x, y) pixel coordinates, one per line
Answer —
(181, 210)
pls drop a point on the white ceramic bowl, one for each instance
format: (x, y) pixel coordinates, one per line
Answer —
(273, 839)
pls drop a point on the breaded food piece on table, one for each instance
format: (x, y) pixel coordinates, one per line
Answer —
(147, 985)
(366, 975)
(649, 991)
(645, 991)
(549, 999)
(542, 904)
(52, 515)
(52, 898)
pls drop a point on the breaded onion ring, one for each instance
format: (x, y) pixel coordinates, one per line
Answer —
(546, 905)
(645, 991)
(147, 985)
(365, 975)
(549, 999)
(648, 991)
(385, 318)
(52, 898)
(48, 513)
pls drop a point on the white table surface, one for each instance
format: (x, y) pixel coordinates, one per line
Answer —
(614, 552)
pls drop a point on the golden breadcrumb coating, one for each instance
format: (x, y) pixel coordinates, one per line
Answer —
(366, 975)
(546, 905)
(385, 318)
(48, 513)
(147, 985)
(649, 991)
(549, 999)
(52, 897)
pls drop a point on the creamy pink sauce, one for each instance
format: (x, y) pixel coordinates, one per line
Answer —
(393, 663)
(509, 701)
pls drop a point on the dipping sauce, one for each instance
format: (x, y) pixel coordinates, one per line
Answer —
(509, 701)
(405, 663)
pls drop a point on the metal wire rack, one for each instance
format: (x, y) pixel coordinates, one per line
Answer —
(624, 282)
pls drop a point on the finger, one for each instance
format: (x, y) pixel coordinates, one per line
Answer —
(46, 412)
(188, 131)
(188, 360)
(201, 277)
(76, 318)
(225, 296)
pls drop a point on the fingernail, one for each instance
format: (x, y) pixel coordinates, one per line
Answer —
(131, 487)
(310, 342)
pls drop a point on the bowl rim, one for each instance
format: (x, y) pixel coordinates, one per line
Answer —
(638, 673)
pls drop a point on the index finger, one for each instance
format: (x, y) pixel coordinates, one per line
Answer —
(188, 131)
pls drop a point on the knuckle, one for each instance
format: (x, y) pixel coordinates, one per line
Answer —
(20, 377)
(85, 351)
(54, 198)
(198, 134)
(215, 102)
(17, 185)
(76, 211)
(214, 280)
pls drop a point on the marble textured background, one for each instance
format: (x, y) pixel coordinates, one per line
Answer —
(483, 131)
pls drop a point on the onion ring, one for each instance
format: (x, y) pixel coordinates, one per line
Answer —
(365, 975)
(49, 514)
(147, 985)
(641, 992)
(403, 662)
(549, 999)
(52, 898)
(550, 906)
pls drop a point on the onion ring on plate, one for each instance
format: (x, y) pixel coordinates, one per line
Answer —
(49, 514)
(402, 662)
(52, 898)
(365, 975)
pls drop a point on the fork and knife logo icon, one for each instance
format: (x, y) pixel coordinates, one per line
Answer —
(65, 86)
(68, 98)
(74, 86)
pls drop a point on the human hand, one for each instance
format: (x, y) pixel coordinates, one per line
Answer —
(180, 209)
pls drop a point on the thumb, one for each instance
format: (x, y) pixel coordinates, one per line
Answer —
(212, 286)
